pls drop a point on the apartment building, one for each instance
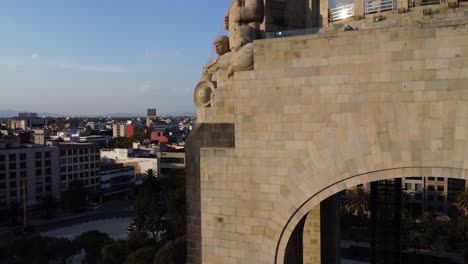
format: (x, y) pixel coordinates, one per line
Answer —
(117, 180)
(171, 159)
(35, 166)
(79, 161)
(119, 130)
(150, 117)
(26, 121)
(433, 194)
(41, 136)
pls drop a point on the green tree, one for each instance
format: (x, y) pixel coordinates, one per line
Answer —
(92, 242)
(461, 201)
(158, 205)
(150, 173)
(358, 201)
(139, 138)
(62, 248)
(35, 248)
(115, 253)
(175, 200)
(141, 256)
(75, 196)
(48, 205)
(121, 142)
(158, 209)
(173, 252)
(428, 232)
(137, 239)
(150, 210)
(457, 232)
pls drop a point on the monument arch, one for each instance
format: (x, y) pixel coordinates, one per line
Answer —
(314, 114)
(314, 201)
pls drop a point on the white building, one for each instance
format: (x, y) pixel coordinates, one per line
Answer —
(124, 156)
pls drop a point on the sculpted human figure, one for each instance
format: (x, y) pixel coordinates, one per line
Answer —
(243, 13)
(241, 58)
(221, 45)
(235, 53)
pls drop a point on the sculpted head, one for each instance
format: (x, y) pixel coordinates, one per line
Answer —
(221, 45)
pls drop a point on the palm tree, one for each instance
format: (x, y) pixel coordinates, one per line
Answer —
(358, 201)
(461, 201)
(150, 173)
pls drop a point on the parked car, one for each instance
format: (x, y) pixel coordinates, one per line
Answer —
(94, 206)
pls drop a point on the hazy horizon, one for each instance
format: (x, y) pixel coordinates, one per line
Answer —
(96, 57)
(8, 113)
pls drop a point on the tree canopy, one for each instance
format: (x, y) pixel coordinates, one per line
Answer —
(92, 242)
(75, 195)
(358, 202)
(461, 201)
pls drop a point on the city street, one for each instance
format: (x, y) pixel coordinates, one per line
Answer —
(112, 216)
(116, 228)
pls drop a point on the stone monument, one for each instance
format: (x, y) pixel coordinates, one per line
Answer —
(235, 52)
(319, 113)
(243, 13)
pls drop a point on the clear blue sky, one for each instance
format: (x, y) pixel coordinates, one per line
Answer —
(105, 56)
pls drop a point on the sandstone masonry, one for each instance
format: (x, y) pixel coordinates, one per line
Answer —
(322, 113)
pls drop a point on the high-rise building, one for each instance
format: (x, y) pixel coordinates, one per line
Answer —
(150, 116)
(41, 136)
(36, 166)
(79, 161)
(119, 130)
(27, 121)
(151, 112)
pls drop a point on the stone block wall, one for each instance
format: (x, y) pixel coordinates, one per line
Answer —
(311, 238)
(321, 113)
(203, 135)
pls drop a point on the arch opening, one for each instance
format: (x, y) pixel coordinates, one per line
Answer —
(400, 203)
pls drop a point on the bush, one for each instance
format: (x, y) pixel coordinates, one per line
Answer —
(115, 253)
(35, 248)
(141, 256)
(173, 252)
(92, 242)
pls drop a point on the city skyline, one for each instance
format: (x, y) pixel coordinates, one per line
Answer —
(92, 58)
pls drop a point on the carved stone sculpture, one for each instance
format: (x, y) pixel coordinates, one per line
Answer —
(243, 13)
(203, 93)
(221, 46)
(235, 53)
(204, 90)
(241, 58)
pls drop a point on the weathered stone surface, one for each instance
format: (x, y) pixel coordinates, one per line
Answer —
(203, 136)
(322, 113)
(243, 13)
(235, 52)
